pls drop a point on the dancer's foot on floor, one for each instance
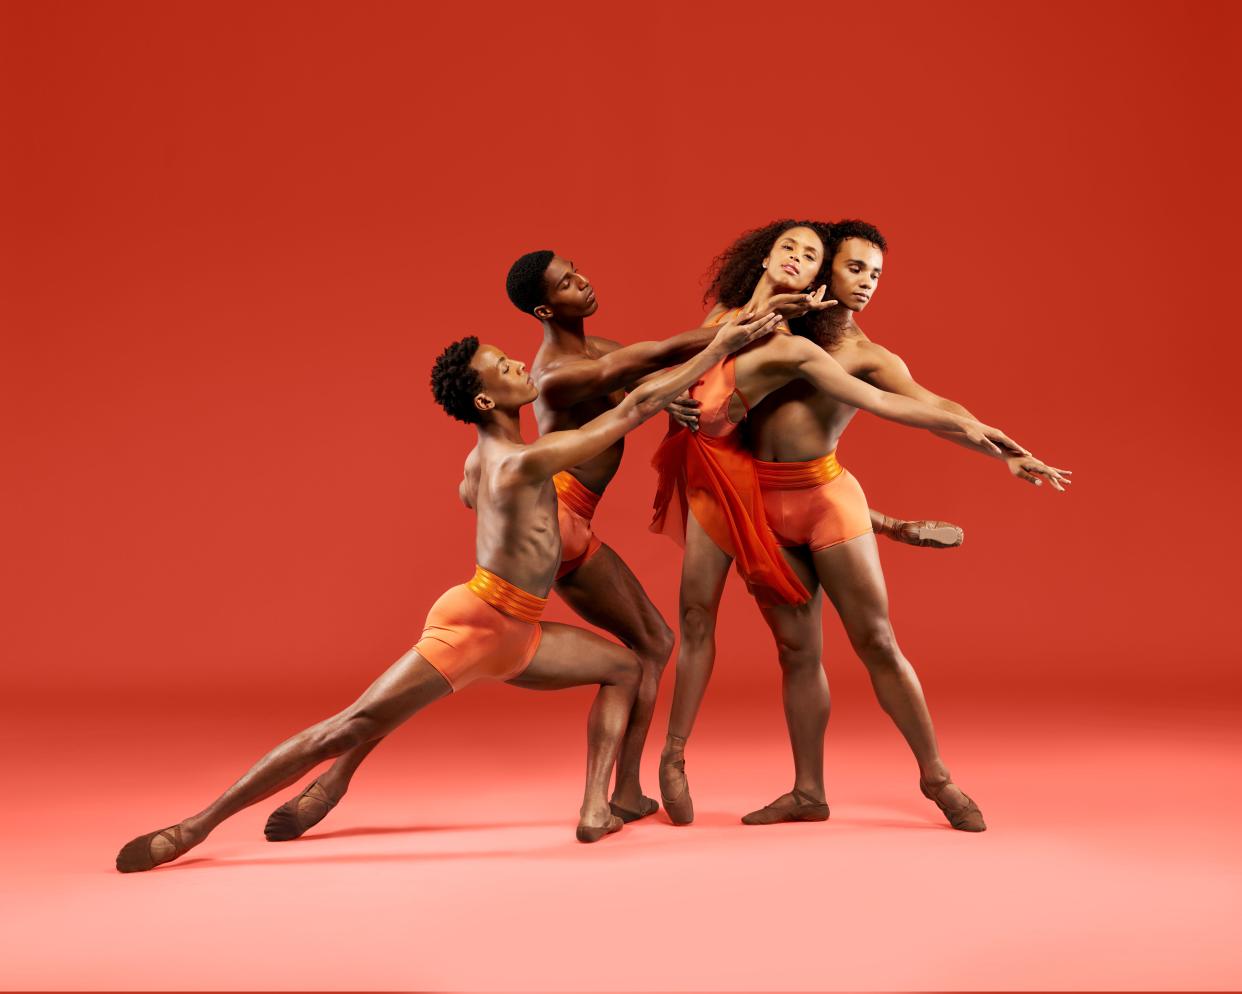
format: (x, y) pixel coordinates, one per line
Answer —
(962, 812)
(154, 849)
(295, 817)
(593, 825)
(674, 787)
(629, 803)
(797, 805)
(933, 534)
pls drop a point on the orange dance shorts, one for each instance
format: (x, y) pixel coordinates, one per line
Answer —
(575, 509)
(817, 503)
(486, 629)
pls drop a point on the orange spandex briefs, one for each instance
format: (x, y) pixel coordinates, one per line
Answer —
(817, 503)
(485, 629)
(575, 507)
(708, 474)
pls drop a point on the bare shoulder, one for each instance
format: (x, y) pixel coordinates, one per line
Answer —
(602, 346)
(870, 356)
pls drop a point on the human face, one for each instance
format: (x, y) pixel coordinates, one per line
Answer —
(507, 384)
(568, 293)
(793, 261)
(855, 273)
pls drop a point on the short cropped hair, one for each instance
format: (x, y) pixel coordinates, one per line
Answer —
(455, 383)
(841, 230)
(524, 283)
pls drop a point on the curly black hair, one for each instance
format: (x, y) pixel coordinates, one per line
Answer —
(734, 273)
(455, 383)
(841, 230)
(524, 284)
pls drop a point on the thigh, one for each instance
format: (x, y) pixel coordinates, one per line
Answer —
(798, 627)
(854, 581)
(571, 657)
(606, 593)
(704, 569)
(406, 686)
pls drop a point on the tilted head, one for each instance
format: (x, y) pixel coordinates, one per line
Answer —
(788, 253)
(857, 260)
(470, 381)
(549, 287)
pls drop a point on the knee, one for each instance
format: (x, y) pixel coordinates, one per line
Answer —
(797, 657)
(343, 733)
(626, 671)
(656, 646)
(698, 623)
(877, 647)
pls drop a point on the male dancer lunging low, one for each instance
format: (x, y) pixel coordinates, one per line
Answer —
(489, 627)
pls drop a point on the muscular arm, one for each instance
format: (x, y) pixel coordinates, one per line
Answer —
(581, 379)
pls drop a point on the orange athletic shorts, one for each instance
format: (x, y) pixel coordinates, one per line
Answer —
(486, 629)
(817, 503)
(575, 509)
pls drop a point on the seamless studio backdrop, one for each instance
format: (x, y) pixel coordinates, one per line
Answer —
(234, 239)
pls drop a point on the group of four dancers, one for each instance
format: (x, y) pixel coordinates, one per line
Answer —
(748, 474)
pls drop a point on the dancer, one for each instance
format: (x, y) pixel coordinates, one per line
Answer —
(579, 377)
(818, 514)
(489, 627)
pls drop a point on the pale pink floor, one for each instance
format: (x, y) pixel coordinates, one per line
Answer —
(1112, 861)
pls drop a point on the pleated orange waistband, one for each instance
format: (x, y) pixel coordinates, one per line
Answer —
(505, 597)
(575, 495)
(797, 475)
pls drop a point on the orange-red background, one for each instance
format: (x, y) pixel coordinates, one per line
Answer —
(235, 236)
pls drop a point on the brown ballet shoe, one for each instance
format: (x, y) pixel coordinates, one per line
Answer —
(806, 808)
(967, 819)
(136, 856)
(933, 534)
(593, 833)
(648, 806)
(675, 791)
(287, 823)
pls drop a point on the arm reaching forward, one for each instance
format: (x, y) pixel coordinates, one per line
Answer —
(889, 372)
(560, 450)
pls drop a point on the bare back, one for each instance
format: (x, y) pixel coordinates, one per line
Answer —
(595, 473)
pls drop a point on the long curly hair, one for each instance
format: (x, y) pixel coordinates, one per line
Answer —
(734, 273)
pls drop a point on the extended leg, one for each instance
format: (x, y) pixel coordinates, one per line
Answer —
(851, 575)
(406, 687)
(570, 657)
(703, 572)
(297, 815)
(804, 692)
(604, 592)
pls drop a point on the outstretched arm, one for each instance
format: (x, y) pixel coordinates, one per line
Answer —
(820, 369)
(889, 372)
(581, 379)
(560, 450)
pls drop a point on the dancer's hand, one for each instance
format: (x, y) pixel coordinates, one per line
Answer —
(735, 334)
(1031, 470)
(794, 305)
(685, 411)
(991, 440)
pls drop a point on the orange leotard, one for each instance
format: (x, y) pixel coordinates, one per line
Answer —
(710, 475)
(574, 511)
(485, 629)
(817, 503)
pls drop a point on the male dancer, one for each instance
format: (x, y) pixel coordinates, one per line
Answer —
(794, 435)
(488, 628)
(579, 377)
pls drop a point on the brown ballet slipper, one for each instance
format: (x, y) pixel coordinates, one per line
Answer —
(934, 534)
(967, 819)
(806, 808)
(648, 806)
(286, 823)
(593, 833)
(136, 856)
(675, 790)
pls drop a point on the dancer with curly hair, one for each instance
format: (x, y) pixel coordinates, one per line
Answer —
(488, 628)
(813, 508)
